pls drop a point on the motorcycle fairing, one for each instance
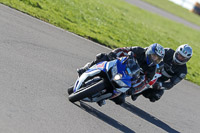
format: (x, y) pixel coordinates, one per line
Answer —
(94, 70)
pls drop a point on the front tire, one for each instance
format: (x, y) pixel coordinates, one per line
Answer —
(70, 90)
(87, 92)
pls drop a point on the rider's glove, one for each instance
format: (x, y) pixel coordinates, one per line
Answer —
(112, 56)
(130, 55)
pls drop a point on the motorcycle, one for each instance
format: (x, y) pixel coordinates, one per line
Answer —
(105, 80)
(109, 79)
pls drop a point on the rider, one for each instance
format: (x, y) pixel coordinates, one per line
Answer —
(147, 58)
(174, 71)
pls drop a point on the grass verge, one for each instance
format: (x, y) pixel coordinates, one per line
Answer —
(176, 10)
(114, 23)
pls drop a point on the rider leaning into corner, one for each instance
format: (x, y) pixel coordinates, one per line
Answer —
(147, 58)
(174, 70)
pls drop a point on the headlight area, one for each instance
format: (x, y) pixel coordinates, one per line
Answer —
(121, 83)
(117, 77)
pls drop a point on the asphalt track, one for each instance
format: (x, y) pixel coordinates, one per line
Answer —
(38, 62)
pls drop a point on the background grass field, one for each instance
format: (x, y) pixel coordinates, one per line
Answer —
(114, 23)
(176, 10)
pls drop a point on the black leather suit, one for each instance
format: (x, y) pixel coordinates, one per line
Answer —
(171, 75)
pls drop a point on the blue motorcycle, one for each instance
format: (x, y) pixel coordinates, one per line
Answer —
(106, 80)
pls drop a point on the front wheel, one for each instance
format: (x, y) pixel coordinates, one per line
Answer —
(87, 92)
(70, 90)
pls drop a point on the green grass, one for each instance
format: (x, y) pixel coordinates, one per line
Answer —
(176, 9)
(114, 23)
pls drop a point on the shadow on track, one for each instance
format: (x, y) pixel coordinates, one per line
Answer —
(104, 118)
(146, 116)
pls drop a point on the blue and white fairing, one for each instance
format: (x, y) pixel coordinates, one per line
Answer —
(121, 77)
(94, 70)
(118, 71)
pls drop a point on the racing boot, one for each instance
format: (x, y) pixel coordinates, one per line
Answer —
(120, 99)
(153, 94)
(134, 97)
(101, 102)
(131, 92)
(81, 70)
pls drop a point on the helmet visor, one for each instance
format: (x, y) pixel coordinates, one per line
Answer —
(180, 58)
(155, 58)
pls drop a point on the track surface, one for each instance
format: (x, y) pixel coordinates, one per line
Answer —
(38, 62)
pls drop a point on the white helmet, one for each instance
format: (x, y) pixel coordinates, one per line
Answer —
(183, 54)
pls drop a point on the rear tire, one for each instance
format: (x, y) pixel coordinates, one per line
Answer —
(87, 92)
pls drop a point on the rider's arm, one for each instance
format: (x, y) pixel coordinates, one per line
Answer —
(119, 52)
(137, 50)
(173, 81)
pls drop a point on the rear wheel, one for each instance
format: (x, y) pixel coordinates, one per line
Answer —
(87, 91)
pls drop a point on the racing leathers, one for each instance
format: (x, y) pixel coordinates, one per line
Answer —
(172, 74)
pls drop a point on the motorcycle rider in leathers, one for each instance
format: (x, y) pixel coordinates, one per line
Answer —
(174, 70)
(147, 58)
